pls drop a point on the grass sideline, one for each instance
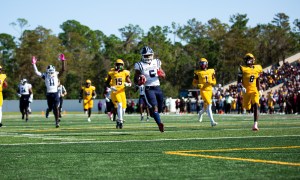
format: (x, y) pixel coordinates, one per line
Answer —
(186, 150)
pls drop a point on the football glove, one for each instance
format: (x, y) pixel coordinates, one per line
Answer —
(127, 84)
(62, 57)
(161, 73)
(242, 87)
(200, 86)
(30, 98)
(34, 60)
(113, 88)
(244, 90)
(19, 95)
(260, 93)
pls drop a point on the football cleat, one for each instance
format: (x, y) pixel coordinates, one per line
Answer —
(120, 125)
(47, 113)
(117, 125)
(161, 127)
(89, 119)
(213, 124)
(200, 117)
(0, 124)
(255, 127)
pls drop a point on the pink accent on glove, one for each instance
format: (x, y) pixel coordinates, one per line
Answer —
(62, 57)
(34, 60)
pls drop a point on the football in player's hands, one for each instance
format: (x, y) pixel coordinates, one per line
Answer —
(161, 73)
(142, 80)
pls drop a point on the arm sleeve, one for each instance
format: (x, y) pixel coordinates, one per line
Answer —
(37, 72)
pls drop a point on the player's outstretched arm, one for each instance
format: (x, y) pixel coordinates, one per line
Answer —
(33, 62)
(63, 63)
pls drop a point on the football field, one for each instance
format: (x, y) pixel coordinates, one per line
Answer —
(187, 149)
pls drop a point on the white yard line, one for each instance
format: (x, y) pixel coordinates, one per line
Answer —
(153, 140)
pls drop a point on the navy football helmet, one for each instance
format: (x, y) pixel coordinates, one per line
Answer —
(147, 54)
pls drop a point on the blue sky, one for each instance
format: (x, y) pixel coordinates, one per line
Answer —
(111, 15)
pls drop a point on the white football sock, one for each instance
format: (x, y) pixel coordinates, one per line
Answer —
(0, 114)
(120, 113)
(210, 114)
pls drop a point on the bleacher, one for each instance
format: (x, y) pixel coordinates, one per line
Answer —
(291, 59)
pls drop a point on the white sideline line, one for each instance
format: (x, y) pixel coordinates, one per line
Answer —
(154, 140)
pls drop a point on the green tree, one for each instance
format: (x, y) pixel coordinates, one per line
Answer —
(7, 52)
(82, 44)
(46, 47)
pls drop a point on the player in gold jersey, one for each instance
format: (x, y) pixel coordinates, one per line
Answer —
(248, 81)
(88, 94)
(3, 84)
(118, 79)
(205, 79)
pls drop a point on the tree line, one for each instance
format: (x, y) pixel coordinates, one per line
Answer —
(90, 53)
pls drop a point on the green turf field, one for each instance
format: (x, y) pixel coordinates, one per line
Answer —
(186, 150)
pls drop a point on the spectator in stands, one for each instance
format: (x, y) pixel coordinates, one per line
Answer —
(298, 102)
(271, 102)
(228, 101)
(182, 106)
(240, 103)
(281, 102)
(99, 107)
(289, 103)
(188, 105)
(168, 105)
(177, 105)
(294, 102)
(234, 102)
(263, 104)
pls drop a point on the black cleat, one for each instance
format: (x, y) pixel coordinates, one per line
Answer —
(161, 127)
(26, 119)
(47, 113)
(0, 124)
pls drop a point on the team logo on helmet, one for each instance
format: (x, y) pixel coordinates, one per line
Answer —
(147, 54)
(203, 63)
(50, 69)
(249, 59)
(119, 65)
(23, 81)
